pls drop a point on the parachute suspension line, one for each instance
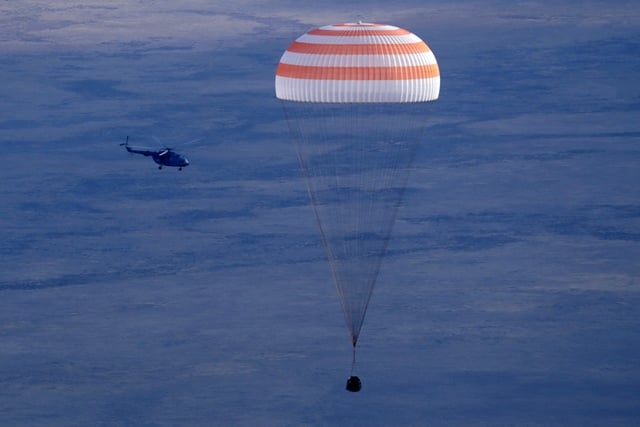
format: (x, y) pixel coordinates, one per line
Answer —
(302, 118)
(380, 180)
(298, 138)
(353, 362)
(331, 118)
(356, 182)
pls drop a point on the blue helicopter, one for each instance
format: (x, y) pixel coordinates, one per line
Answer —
(163, 157)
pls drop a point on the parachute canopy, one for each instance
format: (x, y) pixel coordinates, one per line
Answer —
(360, 63)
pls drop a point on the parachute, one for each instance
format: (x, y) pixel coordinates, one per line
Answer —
(354, 96)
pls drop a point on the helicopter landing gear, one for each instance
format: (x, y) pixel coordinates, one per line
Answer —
(160, 167)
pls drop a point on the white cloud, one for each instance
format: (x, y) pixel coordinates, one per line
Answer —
(50, 24)
(92, 24)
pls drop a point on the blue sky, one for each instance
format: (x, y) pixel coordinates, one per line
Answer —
(132, 296)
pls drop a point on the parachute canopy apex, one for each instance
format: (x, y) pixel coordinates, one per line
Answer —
(358, 63)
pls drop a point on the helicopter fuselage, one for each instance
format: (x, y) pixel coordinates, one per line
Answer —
(164, 157)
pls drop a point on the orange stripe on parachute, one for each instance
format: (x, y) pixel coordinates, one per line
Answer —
(361, 31)
(358, 73)
(358, 49)
(361, 25)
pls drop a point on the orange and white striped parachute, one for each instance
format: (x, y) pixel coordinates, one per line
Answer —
(355, 97)
(358, 62)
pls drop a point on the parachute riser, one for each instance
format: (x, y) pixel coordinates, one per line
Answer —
(353, 361)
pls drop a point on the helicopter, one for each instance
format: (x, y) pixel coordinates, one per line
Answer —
(163, 157)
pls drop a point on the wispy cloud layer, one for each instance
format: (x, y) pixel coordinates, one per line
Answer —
(93, 24)
(96, 24)
(135, 296)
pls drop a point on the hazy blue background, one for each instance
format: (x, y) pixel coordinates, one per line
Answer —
(132, 296)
